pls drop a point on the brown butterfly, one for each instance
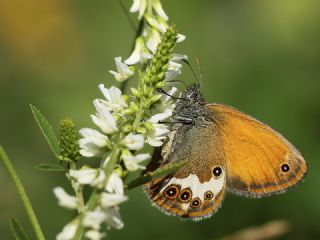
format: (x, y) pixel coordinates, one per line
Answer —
(225, 149)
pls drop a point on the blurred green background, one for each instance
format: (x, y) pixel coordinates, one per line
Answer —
(262, 57)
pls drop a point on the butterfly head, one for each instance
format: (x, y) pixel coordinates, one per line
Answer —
(189, 108)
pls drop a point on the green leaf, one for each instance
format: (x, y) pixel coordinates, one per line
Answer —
(46, 130)
(17, 230)
(170, 168)
(51, 167)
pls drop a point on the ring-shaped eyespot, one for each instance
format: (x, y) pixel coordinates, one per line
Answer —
(208, 195)
(217, 172)
(285, 167)
(172, 191)
(185, 195)
(195, 203)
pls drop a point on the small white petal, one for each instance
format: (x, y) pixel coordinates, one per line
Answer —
(94, 235)
(68, 232)
(170, 75)
(159, 10)
(98, 182)
(135, 6)
(134, 141)
(179, 57)
(114, 98)
(181, 37)
(84, 176)
(139, 5)
(158, 23)
(160, 133)
(161, 116)
(154, 142)
(64, 199)
(115, 184)
(103, 118)
(113, 218)
(112, 199)
(139, 54)
(153, 40)
(93, 219)
(92, 143)
(132, 162)
(124, 71)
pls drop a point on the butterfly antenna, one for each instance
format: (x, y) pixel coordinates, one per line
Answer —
(190, 67)
(160, 90)
(199, 70)
(178, 81)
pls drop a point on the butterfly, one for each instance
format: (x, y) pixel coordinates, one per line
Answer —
(224, 150)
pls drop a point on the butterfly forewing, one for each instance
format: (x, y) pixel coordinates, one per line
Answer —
(260, 161)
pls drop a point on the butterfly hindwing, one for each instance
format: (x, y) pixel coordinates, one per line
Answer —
(196, 190)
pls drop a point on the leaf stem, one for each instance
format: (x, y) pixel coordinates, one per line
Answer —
(23, 195)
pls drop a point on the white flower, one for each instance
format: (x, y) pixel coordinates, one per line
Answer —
(124, 71)
(156, 4)
(94, 177)
(115, 184)
(160, 132)
(139, 5)
(93, 219)
(139, 54)
(64, 199)
(68, 231)
(113, 218)
(94, 235)
(153, 39)
(112, 199)
(181, 37)
(115, 192)
(114, 98)
(174, 68)
(161, 116)
(92, 143)
(132, 162)
(134, 141)
(103, 118)
(157, 22)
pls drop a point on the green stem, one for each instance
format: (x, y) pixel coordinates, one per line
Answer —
(77, 189)
(23, 195)
(123, 85)
(94, 197)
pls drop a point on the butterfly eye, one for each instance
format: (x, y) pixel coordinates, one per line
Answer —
(217, 171)
(171, 192)
(208, 195)
(185, 195)
(195, 203)
(285, 167)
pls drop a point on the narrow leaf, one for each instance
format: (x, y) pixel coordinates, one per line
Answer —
(46, 130)
(51, 167)
(170, 168)
(17, 230)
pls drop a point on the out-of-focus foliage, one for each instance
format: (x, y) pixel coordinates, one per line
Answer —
(262, 57)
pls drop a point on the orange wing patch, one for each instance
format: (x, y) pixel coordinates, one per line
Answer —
(260, 161)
